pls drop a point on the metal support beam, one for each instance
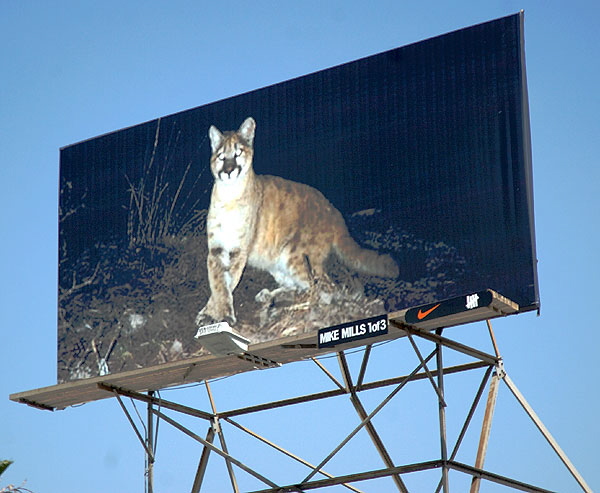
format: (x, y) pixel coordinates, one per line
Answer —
(219, 431)
(363, 367)
(493, 338)
(362, 413)
(351, 478)
(133, 425)
(471, 413)
(215, 449)
(436, 378)
(150, 448)
(486, 425)
(496, 478)
(329, 374)
(158, 402)
(456, 346)
(442, 415)
(285, 452)
(368, 418)
(486, 428)
(437, 389)
(549, 438)
(210, 435)
(338, 392)
(468, 420)
(407, 469)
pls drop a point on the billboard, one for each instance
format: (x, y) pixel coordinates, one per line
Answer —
(389, 182)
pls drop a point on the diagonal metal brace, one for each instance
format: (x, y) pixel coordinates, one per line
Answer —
(149, 452)
(210, 435)
(368, 418)
(549, 438)
(435, 386)
(449, 343)
(329, 374)
(362, 413)
(214, 448)
(285, 452)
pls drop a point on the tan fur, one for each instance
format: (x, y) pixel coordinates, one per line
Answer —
(273, 224)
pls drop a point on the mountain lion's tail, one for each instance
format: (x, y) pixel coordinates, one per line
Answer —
(364, 260)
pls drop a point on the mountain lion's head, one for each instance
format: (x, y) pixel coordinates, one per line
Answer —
(232, 151)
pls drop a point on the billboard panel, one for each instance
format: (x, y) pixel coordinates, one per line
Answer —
(385, 183)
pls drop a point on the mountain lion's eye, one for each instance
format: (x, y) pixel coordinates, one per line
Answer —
(221, 156)
(238, 152)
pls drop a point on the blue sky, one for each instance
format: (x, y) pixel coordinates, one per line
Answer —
(74, 70)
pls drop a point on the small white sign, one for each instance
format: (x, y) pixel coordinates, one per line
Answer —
(213, 328)
(221, 340)
(472, 301)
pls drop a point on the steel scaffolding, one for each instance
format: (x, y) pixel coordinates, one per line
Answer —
(494, 374)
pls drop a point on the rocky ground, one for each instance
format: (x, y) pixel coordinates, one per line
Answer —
(123, 307)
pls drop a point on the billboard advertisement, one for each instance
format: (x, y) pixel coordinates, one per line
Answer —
(382, 184)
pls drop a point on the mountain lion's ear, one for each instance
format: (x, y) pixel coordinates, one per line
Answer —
(247, 130)
(215, 136)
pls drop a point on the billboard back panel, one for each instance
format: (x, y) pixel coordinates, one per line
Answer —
(393, 181)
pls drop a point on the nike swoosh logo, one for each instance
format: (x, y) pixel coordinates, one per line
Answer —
(422, 314)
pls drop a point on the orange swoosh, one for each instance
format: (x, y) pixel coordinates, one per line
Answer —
(422, 314)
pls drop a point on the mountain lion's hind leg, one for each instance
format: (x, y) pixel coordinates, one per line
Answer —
(298, 275)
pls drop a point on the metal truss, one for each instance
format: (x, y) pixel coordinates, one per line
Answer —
(446, 462)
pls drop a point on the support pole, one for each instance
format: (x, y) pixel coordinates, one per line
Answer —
(219, 431)
(471, 412)
(363, 367)
(203, 462)
(468, 419)
(132, 423)
(150, 448)
(493, 338)
(442, 414)
(486, 428)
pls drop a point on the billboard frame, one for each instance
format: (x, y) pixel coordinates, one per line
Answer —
(493, 375)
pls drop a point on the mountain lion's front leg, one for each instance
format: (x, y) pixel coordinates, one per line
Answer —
(224, 271)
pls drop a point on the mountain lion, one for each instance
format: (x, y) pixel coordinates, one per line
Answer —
(285, 228)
